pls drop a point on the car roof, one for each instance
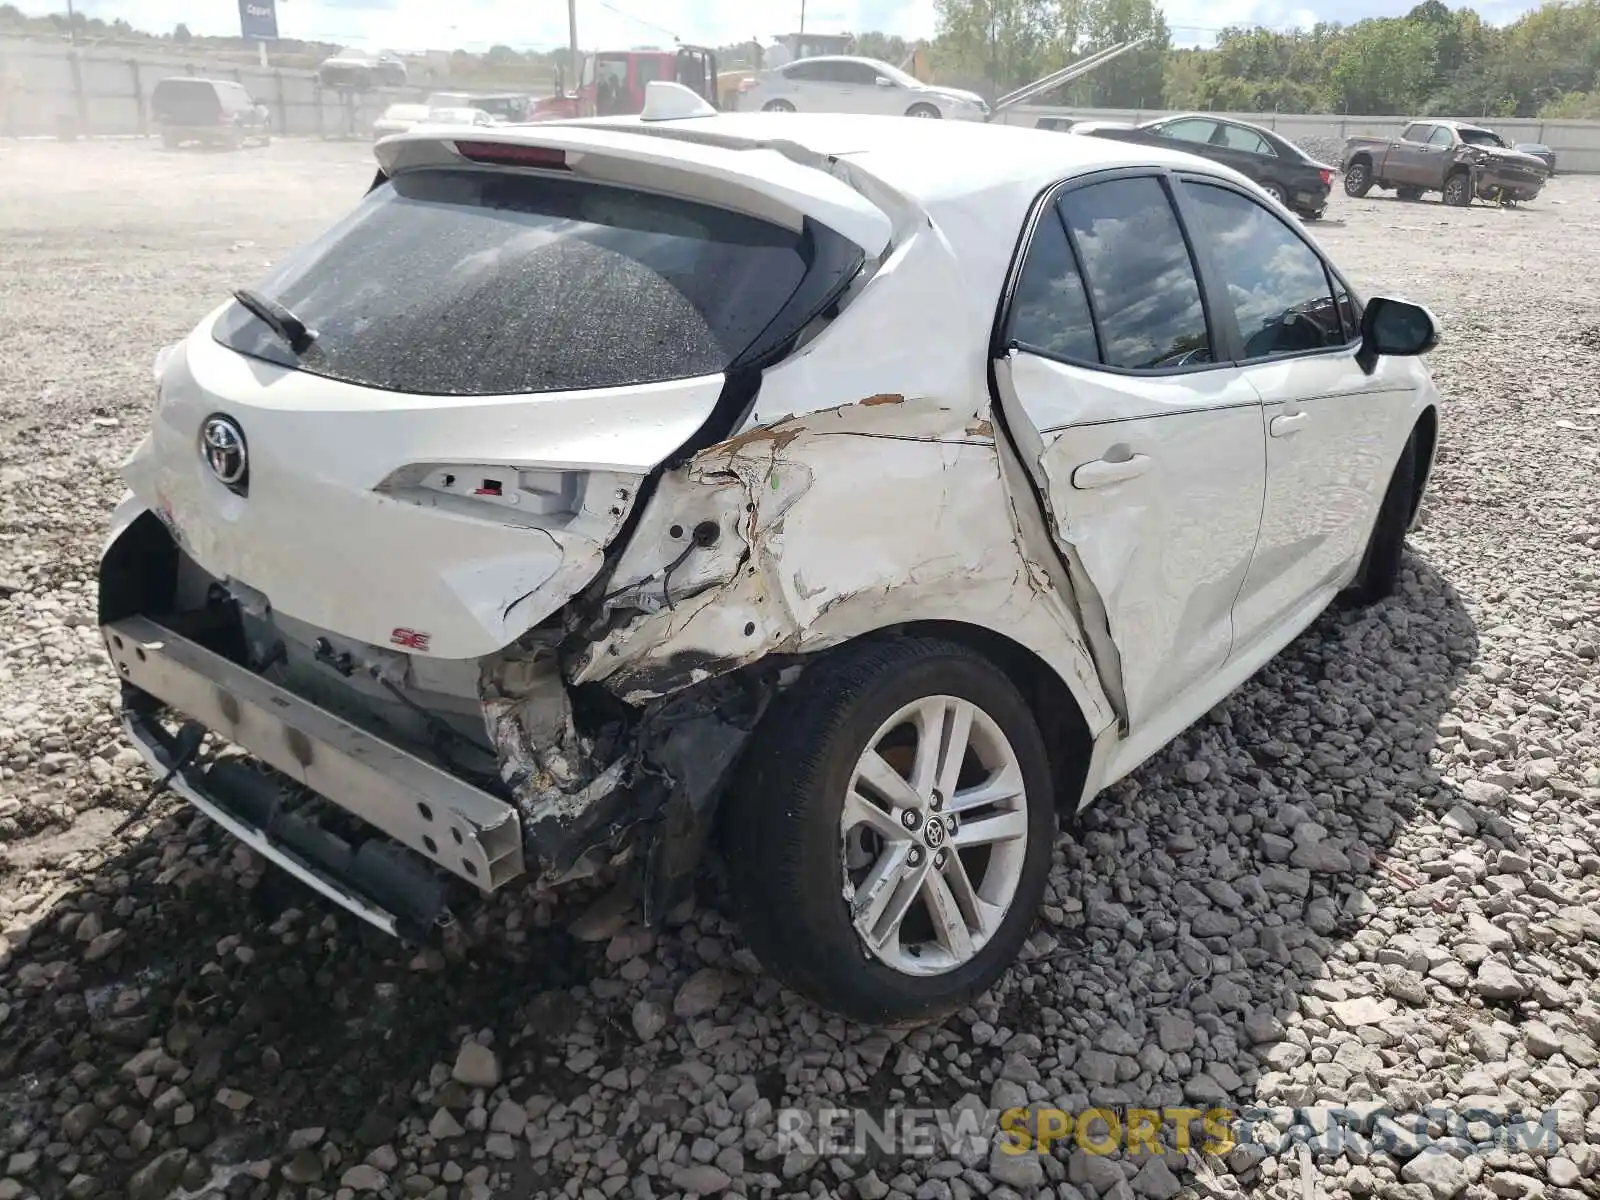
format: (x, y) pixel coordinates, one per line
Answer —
(976, 180)
(934, 163)
(830, 58)
(1204, 116)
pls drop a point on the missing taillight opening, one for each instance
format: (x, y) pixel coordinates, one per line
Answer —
(511, 155)
(491, 487)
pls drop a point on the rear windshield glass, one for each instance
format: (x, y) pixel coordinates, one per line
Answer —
(481, 283)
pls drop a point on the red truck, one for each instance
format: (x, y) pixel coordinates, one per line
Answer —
(614, 81)
(1457, 160)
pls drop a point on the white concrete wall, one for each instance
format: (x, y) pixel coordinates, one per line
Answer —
(1576, 143)
(107, 93)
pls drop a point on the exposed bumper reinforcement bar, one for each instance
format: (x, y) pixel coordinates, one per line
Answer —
(452, 824)
(191, 784)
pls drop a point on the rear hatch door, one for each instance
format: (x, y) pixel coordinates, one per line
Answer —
(496, 362)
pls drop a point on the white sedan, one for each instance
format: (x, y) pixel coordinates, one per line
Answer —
(844, 84)
(868, 509)
(459, 115)
(398, 118)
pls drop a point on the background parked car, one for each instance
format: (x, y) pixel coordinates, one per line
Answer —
(503, 106)
(1538, 150)
(398, 118)
(458, 116)
(1459, 161)
(839, 83)
(363, 69)
(218, 112)
(1288, 173)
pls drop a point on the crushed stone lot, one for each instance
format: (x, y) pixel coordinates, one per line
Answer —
(1369, 880)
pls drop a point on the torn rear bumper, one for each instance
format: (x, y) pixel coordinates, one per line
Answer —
(447, 824)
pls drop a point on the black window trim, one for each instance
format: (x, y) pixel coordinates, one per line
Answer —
(1083, 282)
(1221, 329)
(1191, 119)
(1329, 271)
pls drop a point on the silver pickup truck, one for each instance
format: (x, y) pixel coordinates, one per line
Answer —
(1457, 160)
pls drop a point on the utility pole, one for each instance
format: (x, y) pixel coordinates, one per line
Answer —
(572, 38)
(72, 23)
(802, 16)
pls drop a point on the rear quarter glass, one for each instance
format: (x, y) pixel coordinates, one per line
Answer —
(482, 282)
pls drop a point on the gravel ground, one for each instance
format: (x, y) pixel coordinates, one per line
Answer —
(1371, 878)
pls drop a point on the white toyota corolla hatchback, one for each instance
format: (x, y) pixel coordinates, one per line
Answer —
(844, 494)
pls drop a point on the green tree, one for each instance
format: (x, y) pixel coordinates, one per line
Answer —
(1383, 65)
(885, 47)
(1007, 42)
(1138, 78)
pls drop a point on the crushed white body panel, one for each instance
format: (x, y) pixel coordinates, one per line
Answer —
(583, 600)
(363, 500)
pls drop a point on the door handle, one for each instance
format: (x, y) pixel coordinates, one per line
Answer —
(1287, 423)
(1104, 473)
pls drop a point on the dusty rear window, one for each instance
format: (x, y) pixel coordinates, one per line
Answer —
(466, 282)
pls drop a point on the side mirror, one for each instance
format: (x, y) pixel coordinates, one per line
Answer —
(882, 82)
(1397, 328)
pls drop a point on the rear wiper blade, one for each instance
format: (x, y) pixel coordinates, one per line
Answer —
(290, 328)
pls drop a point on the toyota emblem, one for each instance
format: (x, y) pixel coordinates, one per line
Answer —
(222, 446)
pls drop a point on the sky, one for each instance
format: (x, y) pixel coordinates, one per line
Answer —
(411, 25)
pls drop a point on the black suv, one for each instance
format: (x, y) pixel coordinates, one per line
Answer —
(218, 112)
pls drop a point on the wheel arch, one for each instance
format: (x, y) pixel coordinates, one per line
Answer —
(1426, 431)
(1057, 709)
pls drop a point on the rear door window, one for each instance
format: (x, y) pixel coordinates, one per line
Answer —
(1142, 283)
(1237, 137)
(1050, 311)
(479, 283)
(1190, 129)
(807, 72)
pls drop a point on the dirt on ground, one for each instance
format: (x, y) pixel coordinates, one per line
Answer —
(1370, 877)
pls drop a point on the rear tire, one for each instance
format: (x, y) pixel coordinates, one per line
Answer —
(1379, 576)
(1358, 178)
(1275, 190)
(777, 106)
(821, 809)
(925, 111)
(1458, 190)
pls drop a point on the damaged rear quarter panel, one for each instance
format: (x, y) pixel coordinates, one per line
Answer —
(832, 524)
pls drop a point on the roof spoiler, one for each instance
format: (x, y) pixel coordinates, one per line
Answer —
(759, 180)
